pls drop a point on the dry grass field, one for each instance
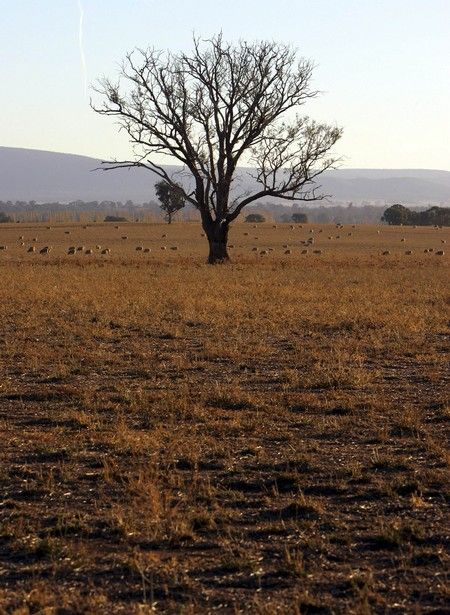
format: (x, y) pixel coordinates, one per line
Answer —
(268, 436)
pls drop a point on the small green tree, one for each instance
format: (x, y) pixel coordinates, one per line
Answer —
(4, 217)
(171, 198)
(255, 218)
(299, 218)
(397, 214)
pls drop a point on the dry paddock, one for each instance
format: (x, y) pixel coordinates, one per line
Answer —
(268, 436)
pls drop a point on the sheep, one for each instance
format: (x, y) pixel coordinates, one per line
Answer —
(21, 237)
(245, 234)
(106, 251)
(409, 252)
(305, 251)
(124, 236)
(270, 249)
(330, 237)
(98, 247)
(292, 227)
(287, 251)
(139, 249)
(231, 245)
(174, 248)
(255, 237)
(3, 247)
(263, 252)
(440, 253)
(426, 251)
(71, 251)
(317, 251)
(430, 249)
(310, 241)
(254, 249)
(338, 236)
(274, 226)
(163, 248)
(386, 253)
(89, 251)
(117, 227)
(311, 230)
(402, 239)
(203, 235)
(45, 250)
(30, 249)
(443, 241)
(146, 250)
(163, 236)
(49, 228)
(66, 232)
(378, 232)
(34, 239)
(349, 234)
(85, 226)
(285, 245)
(80, 249)
(22, 243)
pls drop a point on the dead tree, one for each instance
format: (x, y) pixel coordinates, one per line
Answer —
(220, 107)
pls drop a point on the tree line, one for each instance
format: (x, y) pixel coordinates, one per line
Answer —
(399, 214)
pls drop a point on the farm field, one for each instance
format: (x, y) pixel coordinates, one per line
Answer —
(266, 436)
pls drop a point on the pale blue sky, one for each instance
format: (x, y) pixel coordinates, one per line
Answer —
(383, 65)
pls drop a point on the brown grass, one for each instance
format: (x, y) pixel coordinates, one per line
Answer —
(266, 436)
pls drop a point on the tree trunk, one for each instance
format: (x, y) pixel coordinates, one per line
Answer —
(217, 235)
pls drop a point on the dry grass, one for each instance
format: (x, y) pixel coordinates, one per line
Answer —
(266, 436)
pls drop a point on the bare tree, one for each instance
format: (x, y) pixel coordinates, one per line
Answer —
(221, 106)
(170, 197)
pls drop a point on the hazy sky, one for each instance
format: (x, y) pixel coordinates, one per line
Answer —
(383, 65)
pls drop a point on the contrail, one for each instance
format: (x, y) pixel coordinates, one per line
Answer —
(80, 43)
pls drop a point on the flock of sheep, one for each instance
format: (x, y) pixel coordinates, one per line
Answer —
(305, 245)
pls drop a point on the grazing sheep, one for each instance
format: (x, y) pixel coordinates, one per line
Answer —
(163, 236)
(285, 245)
(430, 249)
(274, 226)
(45, 250)
(292, 227)
(174, 248)
(402, 239)
(21, 237)
(245, 234)
(139, 248)
(124, 236)
(349, 234)
(263, 252)
(287, 252)
(443, 241)
(30, 249)
(67, 232)
(338, 236)
(317, 251)
(89, 251)
(255, 237)
(49, 228)
(34, 239)
(106, 251)
(22, 243)
(311, 230)
(71, 251)
(80, 249)
(310, 241)
(440, 253)
(231, 245)
(386, 253)
(146, 250)
(254, 249)
(426, 251)
(3, 247)
(163, 248)
(117, 227)
(409, 252)
(270, 249)
(330, 237)
(85, 226)
(203, 235)
(305, 251)
(98, 247)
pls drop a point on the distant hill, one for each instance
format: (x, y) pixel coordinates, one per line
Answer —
(27, 174)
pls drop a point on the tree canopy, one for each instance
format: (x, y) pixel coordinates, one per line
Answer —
(219, 107)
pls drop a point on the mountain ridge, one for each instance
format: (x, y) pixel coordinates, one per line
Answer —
(40, 175)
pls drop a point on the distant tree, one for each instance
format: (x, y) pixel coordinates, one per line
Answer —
(299, 218)
(396, 214)
(218, 107)
(4, 217)
(255, 218)
(172, 198)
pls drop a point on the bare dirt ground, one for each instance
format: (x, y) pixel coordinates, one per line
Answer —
(268, 436)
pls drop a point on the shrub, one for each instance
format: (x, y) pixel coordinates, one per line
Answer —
(255, 218)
